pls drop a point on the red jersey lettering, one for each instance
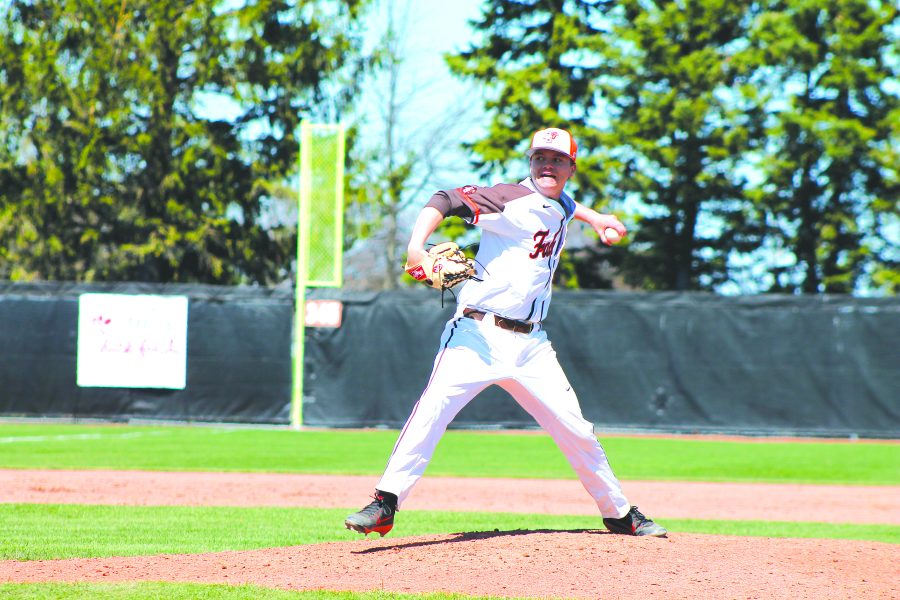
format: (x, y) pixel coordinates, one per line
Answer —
(543, 247)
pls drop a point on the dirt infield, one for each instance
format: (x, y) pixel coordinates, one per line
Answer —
(532, 564)
(676, 500)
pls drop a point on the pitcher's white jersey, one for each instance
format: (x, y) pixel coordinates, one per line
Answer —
(523, 233)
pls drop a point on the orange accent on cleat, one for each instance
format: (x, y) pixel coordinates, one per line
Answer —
(377, 517)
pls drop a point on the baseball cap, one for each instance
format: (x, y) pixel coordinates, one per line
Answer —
(555, 139)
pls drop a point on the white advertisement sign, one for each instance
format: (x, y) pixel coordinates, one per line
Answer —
(324, 313)
(137, 341)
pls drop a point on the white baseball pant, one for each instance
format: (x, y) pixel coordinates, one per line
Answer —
(475, 354)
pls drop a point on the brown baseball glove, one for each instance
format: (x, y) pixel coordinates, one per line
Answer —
(443, 267)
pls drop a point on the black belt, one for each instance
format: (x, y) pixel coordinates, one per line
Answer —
(502, 323)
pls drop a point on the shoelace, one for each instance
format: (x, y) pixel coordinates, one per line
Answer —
(376, 505)
(638, 514)
(373, 506)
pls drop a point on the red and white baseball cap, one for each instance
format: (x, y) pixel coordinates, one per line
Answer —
(558, 140)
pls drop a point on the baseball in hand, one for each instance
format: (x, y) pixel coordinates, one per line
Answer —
(612, 236)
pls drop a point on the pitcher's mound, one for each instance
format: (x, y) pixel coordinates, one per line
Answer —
(524, 564)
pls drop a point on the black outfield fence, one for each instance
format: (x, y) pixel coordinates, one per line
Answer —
(238, 356)
(772, 365)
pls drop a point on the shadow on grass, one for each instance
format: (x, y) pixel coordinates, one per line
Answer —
(456, 538)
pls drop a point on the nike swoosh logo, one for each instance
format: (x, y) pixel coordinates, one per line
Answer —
(547, 206)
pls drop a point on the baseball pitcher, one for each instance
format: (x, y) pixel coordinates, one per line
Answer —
(495, 335)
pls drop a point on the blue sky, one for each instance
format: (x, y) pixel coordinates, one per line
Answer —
(429, 94)
(433, 27)
(436, 26)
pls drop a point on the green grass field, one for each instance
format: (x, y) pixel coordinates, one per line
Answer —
(34, 532)
(460, 454)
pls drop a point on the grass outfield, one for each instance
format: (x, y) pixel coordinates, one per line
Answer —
(460, 453)
(50, 531)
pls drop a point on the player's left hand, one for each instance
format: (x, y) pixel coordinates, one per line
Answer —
(443, 267)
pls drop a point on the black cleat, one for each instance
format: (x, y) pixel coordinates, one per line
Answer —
(635, 523)
(378, 516)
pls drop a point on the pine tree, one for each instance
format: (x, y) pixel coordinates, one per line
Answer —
(111, 168)
(831, 169)
(645, 87)
(676, 137)
(537, 62)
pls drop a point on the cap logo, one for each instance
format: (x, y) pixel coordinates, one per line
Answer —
(550, 136)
